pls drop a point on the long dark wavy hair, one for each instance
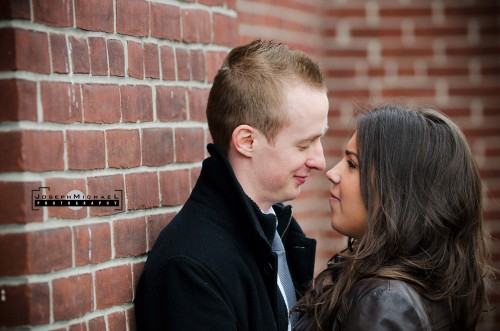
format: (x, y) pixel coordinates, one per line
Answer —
(423, 195)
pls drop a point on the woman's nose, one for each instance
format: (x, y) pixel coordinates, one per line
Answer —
(336, 178)
(333, 175)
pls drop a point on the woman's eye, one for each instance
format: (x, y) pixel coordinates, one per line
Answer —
(351, 164)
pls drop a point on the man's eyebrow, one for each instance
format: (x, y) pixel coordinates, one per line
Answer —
(348, 152)
(316, 136)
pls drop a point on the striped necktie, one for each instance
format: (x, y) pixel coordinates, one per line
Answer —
(284, 273)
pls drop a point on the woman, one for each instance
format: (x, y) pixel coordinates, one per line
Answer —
(409, 197)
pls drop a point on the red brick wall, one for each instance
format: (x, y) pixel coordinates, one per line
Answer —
(98, 96)
(109, 95)
(441, 53)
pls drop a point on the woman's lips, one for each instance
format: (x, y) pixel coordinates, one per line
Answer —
(334, 197)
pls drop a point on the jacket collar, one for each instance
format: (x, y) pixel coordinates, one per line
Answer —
(270, 222)
(219, 174)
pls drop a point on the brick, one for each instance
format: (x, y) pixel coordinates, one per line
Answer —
(157, 146)
(49, 250)
(214, 62)
(27, 104)
(86, 150)
(113, 286)
(130, 312)
(359, 93)
(347, 53)
(43, 150)
(195, 174)
(425, 11)
(441, 31)
(78, 327)
(129, 237)
(367, 32)
(137, 269)
(175, 187)
(123, 148)
(95, 15)
(16, 207)
(189, 144)
(165, 21)
(183, 64)
(59, 53)
(151, 61)
(482, 132)
(196, 26)
(136, 103)
(72, 297)
(171, 103)
(135, 60)
(466, 10)
(57, 13)
(12, 9)
(97, 324)
(225, 30)
(404, 92)
(167, 59)
(92, 243)
(213, 2)
(101, 103)
(32, 51)
(8, 50)
(14, 248)
(61, 187)
(117, 321)
(98, 56)
(154, 225)
(139, 25)
(24, 50)
(209, 138)
(440, 71)
(116, 58)
(473, 91)
(18, 100)
(142, 190)
(79, 55)
(25, 304)
(198, 104)
(107, 185)
(61, 102)
(197, 65)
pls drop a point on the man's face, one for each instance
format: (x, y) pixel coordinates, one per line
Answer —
(281, 168)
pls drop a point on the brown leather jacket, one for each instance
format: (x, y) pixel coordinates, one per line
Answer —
(378, 304)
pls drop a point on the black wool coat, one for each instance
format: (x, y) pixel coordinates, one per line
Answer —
(212, 267)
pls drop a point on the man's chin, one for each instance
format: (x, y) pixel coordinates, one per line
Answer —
(294, 195)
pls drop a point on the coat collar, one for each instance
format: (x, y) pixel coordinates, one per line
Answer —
(219, 174)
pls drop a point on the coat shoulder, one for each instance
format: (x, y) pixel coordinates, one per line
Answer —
(393, 302)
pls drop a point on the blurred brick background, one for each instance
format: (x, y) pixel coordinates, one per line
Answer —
(105, 95)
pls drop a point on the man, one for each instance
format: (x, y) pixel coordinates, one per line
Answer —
(215, 266)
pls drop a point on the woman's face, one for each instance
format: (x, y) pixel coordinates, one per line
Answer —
(349, 215)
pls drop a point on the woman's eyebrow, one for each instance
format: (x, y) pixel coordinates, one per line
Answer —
(348, 152)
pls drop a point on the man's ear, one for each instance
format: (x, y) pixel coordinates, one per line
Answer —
(243, 139)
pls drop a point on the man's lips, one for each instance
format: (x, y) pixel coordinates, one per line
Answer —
(300, 179)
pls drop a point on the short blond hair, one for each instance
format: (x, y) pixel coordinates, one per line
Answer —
(249, 89)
